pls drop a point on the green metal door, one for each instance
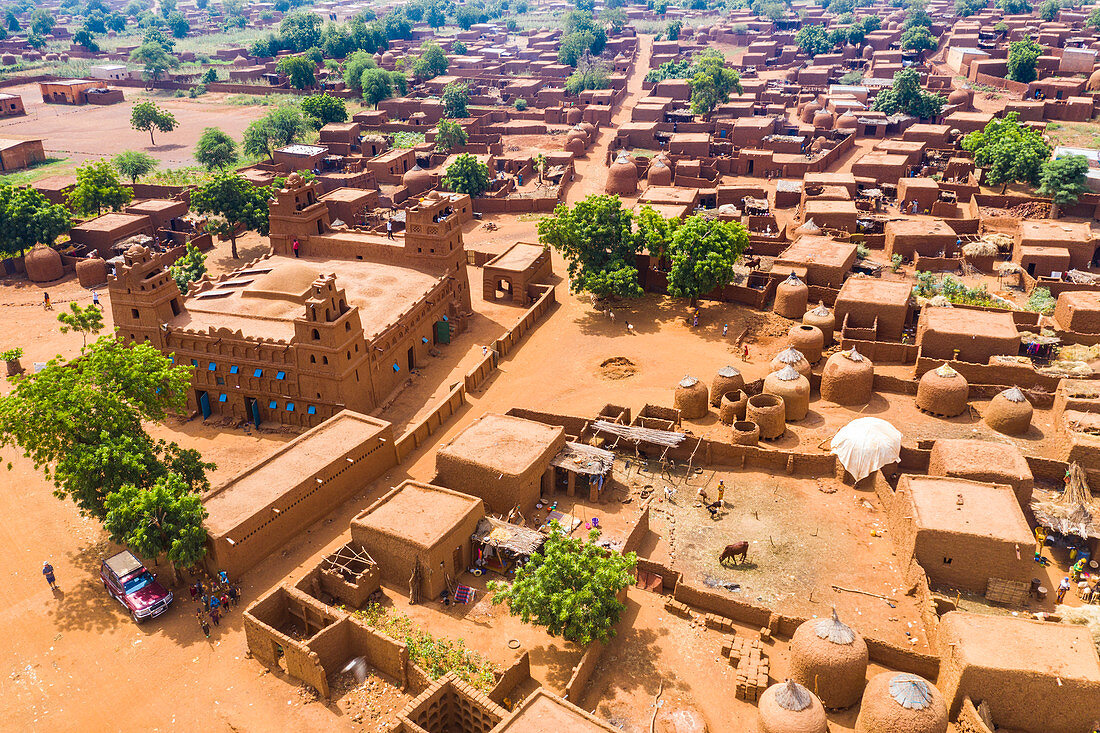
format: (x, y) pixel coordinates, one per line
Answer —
(442, 332)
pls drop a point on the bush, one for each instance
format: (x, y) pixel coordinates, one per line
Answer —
(520, 104)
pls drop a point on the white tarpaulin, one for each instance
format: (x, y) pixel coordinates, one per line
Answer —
(865, 445)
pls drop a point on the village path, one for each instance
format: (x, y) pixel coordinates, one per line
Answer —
(591, 173)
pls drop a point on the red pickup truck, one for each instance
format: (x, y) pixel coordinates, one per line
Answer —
(132, 585)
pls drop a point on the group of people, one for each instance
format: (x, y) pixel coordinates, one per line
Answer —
(717, 504)
(215, 598)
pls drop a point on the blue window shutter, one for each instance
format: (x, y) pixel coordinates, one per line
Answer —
(212, 366)
(258, 373)
(272, 405)
(234, 369)
(221, 398)
(290, 407)
(312, 410)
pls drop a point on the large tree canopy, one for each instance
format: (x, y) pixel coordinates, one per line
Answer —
(596, 240)
(1022, 56)
(570, 587)
(97, 188)
(712, 82)
(1008, 151)
(27, 219)
(234, 203)
(703, 253)
(906, 96)
(1063, 179)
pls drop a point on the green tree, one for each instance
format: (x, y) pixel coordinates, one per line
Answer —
(1093, 20)
(1022, 56)
(235, 204)
(42, 22)
(596, 240)
(377, 84)
(80, 422)
(570, 587)
(435, 18)
(134, 164)
(1014, 7)
(1063, 179)
(589, 75)
(456, 96)
(321, 109)
(86, 320)
(616, 19)
(1048, 10)
(215, 149)
(147, 116)
(86, 38)
(116, 22)
(1008, 151)
(906, 96)
(812, 40)
(703, 253)
(450, 135)
(354, 67)
(156, 35)
(164, 519)
(672, 31)
(12, 21)
(918, 38)
(656, 232)
(154, 60)
(458, 48)
(432, 62)
(97, 188)
(467, 175)
(281, 127)
(188, 268)
(177, 23)
(210, 77)
(300, 30)
(27, 219)
(712, 83)
(299, 70)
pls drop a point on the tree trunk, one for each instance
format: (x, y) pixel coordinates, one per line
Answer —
(1004, 188)
(1055, 210)
(154, 142)
(233, 243)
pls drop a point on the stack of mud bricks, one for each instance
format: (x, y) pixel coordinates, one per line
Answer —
(747, 655)
(678, 608)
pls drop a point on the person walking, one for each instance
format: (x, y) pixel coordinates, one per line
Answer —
(725, 330)
(46, 301)
(214, 603)
(47, 570)
(203, 623)
(95, 298)
(194, 592)
(389, 228)
(745, 353)
(721, 492)
(1063, 587)
(295, 247)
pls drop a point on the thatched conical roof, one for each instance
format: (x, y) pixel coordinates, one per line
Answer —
(834, 630)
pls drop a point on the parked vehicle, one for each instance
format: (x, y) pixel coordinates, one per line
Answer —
(132, 585)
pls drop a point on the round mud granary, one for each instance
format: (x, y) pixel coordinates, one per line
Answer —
(691, 398)
(43, 265)
(823, 318)
(793, 358)
(793, 388)
(1009, 412)
(659, 174)
(575, 145)
(901, 703)
(788, 707)
(732, 407)
(622, 178)
(807, 339)
(728, 379)
(848, 378)
(573, 116)
(829, 656)
(943, 392)
(768, 412)
(416, 180)
(791, 297)
(91, 271)
(743, 432)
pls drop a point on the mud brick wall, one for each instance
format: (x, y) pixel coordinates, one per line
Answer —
(969, 721)
(349, 638)
(419, 433)
(583, 671)
(637, 532)
(722, 605)
(573, 425)
(901, 659)
(518, 673)
(669, 577)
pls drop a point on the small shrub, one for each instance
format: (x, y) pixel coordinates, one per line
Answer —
(520, 105)
(895, 263)
(863, 251)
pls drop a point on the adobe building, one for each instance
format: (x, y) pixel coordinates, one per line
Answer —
(1075, 237)
(163, 213)
(983, 460)
(11, 105)
(348, 205)
(508, 276)
(297, 339)
(104, 232)
(1032, 676)
(419, 523)
(962, 533)
(927, 237)
(17, 154)
(831, 214)
(873, 310)
(817, 260)
(1078, 311)
(69, 91)
(964, 334)
(272, 500)
(504, 460)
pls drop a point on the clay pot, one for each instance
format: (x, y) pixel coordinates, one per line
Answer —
(825, 321)
(744, 432)
(769, 413)
(791, 297)
(728, 379)
(793, 388)
(732, 406)
(807, 339)
(690, 398)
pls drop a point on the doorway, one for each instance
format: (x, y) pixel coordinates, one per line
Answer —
(1031, 269)
(204, 404)
(412, 358)
(253, 406)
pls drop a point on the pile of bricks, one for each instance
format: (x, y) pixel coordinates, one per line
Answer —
(677, 608)
(753, 667)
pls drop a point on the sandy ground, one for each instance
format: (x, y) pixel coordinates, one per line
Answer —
(93, 131)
